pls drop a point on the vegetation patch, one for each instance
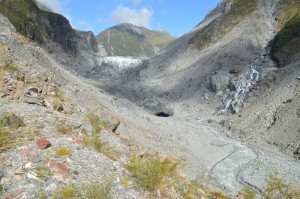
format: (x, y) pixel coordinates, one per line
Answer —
(154, 173)
(99, 190)
(7, 140)
(222, 25)
(151, 172)
(36, 24)
(94, 190)
(287, 41)
(277, 188)
(63, 128)
(248, 193)
(96, 122)
(63, 152)
(8, 123)
(96, 144)
(288, 9)
(66, 192)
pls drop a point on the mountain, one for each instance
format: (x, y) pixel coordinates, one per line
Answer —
(219, 105)
(237, 69)
(130, 40)
(52, 31)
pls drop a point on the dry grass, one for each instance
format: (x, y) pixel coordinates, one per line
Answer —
(248, 193)
(277, 188)
(7, 141)
(66, 192)
(63, 128)
(93, 190)
(8, 123)
(96, 122)
(96, 144)
(63, 152)
(152, 171)
(99, 190)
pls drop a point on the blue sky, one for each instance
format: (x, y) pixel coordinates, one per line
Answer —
(176, 17)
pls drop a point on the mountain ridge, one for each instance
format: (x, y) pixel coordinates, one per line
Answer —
(130, 40)
(234, 94)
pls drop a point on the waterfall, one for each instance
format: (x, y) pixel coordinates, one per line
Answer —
(246, 81)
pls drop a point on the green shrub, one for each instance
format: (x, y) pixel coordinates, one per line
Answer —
(66, 192)
(217, 195)
(93, 190)
(8, 122)
(96, 144)
(63, 128)
(96, 122)
(150, 172)
(64, 151)
(277, 188)
(248, 193)
(11, 121)
(97, 190)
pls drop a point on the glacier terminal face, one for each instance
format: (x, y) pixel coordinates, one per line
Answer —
(121, 62)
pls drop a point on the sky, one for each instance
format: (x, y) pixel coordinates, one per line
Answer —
(176, 17)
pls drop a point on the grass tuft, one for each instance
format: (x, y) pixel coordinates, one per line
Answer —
(63, 128)
(93, 190)
(277, 188)
(248, 193)
(8, 122)
(66, 192)
(96, 144)
(63, 152)
(151, 172)
(96, 122)
(99, 190)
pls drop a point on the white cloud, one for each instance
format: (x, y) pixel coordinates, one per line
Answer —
(84, 25)
(54, 5)
(136, 1)
(139, 17)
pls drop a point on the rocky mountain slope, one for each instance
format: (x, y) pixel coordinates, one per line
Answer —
(214, 102)
(50, 30)
(61, 136)
(131, 40)
(235, 62)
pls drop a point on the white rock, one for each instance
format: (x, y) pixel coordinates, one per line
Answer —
(28, 165)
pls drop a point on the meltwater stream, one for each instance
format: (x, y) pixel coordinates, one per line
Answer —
(227, 170)
(245, 83)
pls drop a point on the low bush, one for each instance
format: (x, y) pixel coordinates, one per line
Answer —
(277, 188)
(64, 151)
(96, 122)
(151, 172)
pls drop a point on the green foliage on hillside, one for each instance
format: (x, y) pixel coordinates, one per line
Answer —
(221, 26)
(19, 13)
(277, 187)
(287, 41)
(129, 40)
(288, 10)
(38, 25)
(288, 37)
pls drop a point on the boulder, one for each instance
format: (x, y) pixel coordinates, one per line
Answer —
(43, 143)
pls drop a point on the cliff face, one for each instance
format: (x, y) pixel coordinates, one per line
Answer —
(40, 25)
(89, 39)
